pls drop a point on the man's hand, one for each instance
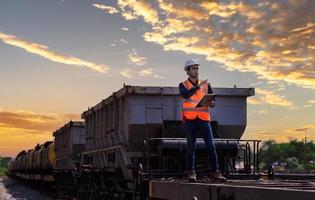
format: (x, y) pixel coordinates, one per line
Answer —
(202, 83)
(210, 104)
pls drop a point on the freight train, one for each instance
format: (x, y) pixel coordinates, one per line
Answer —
(136, 136)
(35, 164)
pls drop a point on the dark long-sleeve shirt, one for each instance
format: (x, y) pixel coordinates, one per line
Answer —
(185, 93)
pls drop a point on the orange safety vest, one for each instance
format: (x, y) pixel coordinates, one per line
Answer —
(189, 110)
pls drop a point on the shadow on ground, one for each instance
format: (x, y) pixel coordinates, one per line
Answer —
(13, 190)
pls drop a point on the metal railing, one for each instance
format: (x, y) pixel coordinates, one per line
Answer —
(158, 164)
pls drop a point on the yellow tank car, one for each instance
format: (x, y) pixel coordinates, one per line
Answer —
(48, 156)
(29, 160)
(18, 164)
(23, 161)
(15, 164)
(37, 157)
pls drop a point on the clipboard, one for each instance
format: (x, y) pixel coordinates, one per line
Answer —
(205, 99)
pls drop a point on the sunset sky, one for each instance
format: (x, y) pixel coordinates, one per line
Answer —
(57, 57)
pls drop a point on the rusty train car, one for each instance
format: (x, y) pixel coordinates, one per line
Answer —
(132, 145)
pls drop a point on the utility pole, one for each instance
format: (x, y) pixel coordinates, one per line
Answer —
(305, 141)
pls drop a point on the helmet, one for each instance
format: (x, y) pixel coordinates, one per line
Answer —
(190, 62)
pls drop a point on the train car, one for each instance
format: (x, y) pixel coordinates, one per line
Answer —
(23, 162)
(118, 127)
(18, 164)
(39, 166)
(35, 165)
(132, 146)
(48, 158)
(37, 158)
(29, 161)
(69, 143)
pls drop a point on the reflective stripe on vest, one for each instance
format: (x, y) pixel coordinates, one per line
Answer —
(195, 109)
(189, 110)
(190, 100)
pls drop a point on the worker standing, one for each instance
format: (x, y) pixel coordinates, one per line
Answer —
(197, 119)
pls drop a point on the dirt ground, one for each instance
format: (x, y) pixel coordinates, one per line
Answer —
(13, 190)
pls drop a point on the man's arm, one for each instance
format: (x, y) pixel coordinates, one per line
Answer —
(185, 93)
(210, 91)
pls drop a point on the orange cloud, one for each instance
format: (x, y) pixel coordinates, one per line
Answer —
(279, 136)
(303, 128)
(132, 9)
(33, 121)
(138, 8)
(312, 101)
(43, 51)
(284, 135)
(275, 40)
(126, 72)
(24, 129)
(134, 58)
(109, 9)
(13, 140)
(263, 112)
(137, 60)
(144, 72)
(269, 97)
(124, 28)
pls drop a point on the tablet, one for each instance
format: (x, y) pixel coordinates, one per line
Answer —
(205, 99)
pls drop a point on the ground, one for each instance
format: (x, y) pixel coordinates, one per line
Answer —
(13, 190)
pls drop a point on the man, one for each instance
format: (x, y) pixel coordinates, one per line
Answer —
(197, 119)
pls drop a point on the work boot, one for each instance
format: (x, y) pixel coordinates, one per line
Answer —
(217, 176)
(191, 176)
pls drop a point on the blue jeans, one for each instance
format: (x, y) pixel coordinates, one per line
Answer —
(192, 127)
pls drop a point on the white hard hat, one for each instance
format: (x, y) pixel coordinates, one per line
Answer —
(190, 62)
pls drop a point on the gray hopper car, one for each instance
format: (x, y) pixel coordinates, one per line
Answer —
(117, 126)
(69, 142)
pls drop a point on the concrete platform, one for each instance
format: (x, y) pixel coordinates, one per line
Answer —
(233, 190)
